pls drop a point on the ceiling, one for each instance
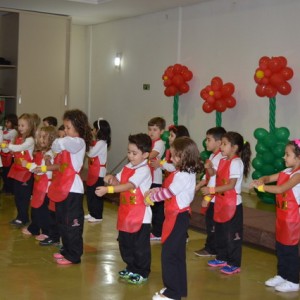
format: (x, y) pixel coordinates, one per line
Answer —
(87, 12)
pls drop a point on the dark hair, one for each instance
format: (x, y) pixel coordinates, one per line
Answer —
(51, 121)
(179, 130)
(81, 124)
(159, 122)
(216, 132)
(61, 128)
(142, 141)
(296, 147)
(13, 119)
(104, 132)
(244, 150)
(186, 149)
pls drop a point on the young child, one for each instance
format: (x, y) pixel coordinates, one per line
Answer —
(61, 131)
(22, 149)
(8, 135)
(287, 193)
(156, 127)
(213, 142)
(97, 169)
(178, 192)
(50, 121)
(66, 188)
(43, 156)
(134, 218)
(228, 209)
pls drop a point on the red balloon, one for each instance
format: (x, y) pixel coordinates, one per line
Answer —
(208, 88)
(260, 90)
(230, 102)
(178, 80)
(220, 105)
(276, 79)
(169, 73)
(210, 100)
(217, 94)
(258, 80)
(167, 92)
(267, 72)
(208, 108)
(227, 89)
(263, 62)
(274, 64)
(167, 82)
(285, 88)
(187, 75)
(283, 61)
(173, 90)
(177, 68)
(265, 81)
(216, 83)
(204, 94)
(287, 73)
(184, 88)
(270, 91)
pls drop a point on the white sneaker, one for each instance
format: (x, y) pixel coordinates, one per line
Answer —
(158, 296)
(274, 281)
(93, 220)
(287, 286)
(86, 217)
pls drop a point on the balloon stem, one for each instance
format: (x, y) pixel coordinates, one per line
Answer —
(218, 119)
(272, 113)
(175, 109)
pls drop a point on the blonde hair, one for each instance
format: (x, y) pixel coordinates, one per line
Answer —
(51, 133)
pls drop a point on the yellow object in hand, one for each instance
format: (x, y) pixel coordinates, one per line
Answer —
(207, 198)
(3, 145)
(149, 201)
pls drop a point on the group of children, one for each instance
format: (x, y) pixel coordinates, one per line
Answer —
(150, 208)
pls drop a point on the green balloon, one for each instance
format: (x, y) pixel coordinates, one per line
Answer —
(261, 148)
(257, 163)
(165, 138)
(282, 134)
(279, 164)
(256, 174)
(204, 155)
(204, 143)
(268, 169)
(268, 157)
(270, 140)
(279, 150)
(260, 133)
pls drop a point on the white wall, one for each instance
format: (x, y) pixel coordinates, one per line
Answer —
(222, 38)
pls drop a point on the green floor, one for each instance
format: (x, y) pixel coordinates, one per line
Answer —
(29, 272)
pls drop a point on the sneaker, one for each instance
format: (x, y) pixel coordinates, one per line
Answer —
(41, 237)
(154, 238)
(287, 286)
(16, 222)
(48, 242)
(125, 274)
(136, 279)
(274, 281)
(159, 296)
(94, 220)
(203, 252)
(229, 270)
(86, 217)
(217, 263)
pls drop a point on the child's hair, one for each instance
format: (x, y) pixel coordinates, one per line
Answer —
(159, 122)
(243, 150)
(61, 128)
(52, 121)
(186, 149)
(81, 124)
(103, 131)
(296, 146)
(31, 124)
(51, 133)
(13, 119)
(179, 130)
(142, 141)
(216, 132)
(36, 119)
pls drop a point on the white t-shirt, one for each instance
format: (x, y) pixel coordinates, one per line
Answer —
(159, 146)
(141, 179)
(237, 171)
(100, 150)
(296, 188)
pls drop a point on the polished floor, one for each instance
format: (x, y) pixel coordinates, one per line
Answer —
(27, 270)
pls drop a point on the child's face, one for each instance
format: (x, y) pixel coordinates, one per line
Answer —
(70, 129)
(290, 158)
(172, 137)
(61, 133)
(23, 126)
(227, 148)
(8, 124)
(43, 140)
(45, 123)
(154, 132)
(174, 157)
(135, 155)
(212, 144)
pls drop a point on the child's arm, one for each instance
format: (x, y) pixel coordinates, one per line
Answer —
(219, 189)
(102, 190)
(157, 195)
(111, 180)
(153, 154)
(209, 167)
(200, 184)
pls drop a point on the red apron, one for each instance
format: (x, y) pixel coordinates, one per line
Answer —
(225, 203)
(287, 214)
(40, 184)
(6, 157)
(171, 210)
(17, 171)
(132, 208)
(63, 179)
(94, 166)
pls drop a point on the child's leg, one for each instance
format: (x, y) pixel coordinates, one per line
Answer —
(44, 217)
(8, 183)
(33, 227)
(221, 240)
(210, 230)
(158, 215)
(126, 247)
(174, 259)
(95, 203)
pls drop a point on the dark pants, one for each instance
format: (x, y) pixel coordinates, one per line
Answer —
(22, 192)
(210, 243)
(158, 215)
(53, 227)
(288, 262)
(95, 203)
(229, 238)
(70, 218)
(173, 259)
(8, 183)
(136, 251)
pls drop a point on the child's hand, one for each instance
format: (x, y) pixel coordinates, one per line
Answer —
(256, 183)
(109, 179)
(4, 145)
(155, 163)
(24, 163)
(36, 170)
(204, 203)
(205, 190)
(208, 164)
(101, 191)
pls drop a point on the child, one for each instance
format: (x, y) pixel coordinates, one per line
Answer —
(156, 127)
(61, 131)
(97, 169)
(66, 188)
(43, 156)
(50, 121)
(134, 217)
(178, 192)
(22, 149)
(228, 209)
(9, 135)
(213, 142)
(287, 193)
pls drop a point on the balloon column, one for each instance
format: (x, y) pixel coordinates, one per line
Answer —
(271, 77)
(175, 81)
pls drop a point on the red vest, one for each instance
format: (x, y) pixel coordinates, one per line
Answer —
(63, 179)
(40, 183)
(225, 203)
(287, 214)
(6, 157)
(17, 171)
(171, 210)
(93, 170)
(132, 208)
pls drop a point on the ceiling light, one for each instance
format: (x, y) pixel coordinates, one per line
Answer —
(91, 1)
